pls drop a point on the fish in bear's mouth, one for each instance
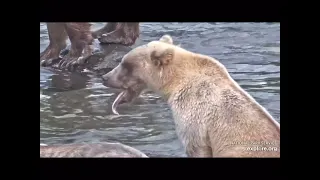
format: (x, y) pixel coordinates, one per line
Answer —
(119, 100)
(126, 96)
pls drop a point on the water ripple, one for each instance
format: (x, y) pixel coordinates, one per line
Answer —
(77, 108)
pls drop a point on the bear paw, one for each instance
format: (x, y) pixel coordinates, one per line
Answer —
(115, 38)
(71, 62)
(49, 56)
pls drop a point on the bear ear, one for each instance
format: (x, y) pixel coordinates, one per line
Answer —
(162, 58)
(166, 39)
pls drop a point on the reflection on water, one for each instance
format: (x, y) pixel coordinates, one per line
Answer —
(77, 107)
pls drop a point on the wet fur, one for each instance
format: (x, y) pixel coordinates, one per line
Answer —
(214, 116)
(90, 150)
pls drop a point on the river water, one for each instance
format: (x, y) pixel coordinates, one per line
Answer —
(76, 107)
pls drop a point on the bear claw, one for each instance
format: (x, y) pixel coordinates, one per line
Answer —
(105, 38)
(49, 62)
(72, 63)
(112, 38)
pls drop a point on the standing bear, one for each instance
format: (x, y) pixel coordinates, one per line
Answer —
(81, 38)
(213, 115)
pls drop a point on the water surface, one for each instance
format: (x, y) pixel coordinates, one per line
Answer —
(77, 107)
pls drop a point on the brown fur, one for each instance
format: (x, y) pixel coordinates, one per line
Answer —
(81, 38)
(214, 116)
(118, 33)
(90, 150)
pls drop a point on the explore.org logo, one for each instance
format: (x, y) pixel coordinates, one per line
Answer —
(257, 145)
(259, 148)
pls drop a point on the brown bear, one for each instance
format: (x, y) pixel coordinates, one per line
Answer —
(90, 150)
(214, 116)
(81, 39)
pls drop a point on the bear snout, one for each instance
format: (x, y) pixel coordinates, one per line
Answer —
(110, 80)
(106, 80)
(105, 77)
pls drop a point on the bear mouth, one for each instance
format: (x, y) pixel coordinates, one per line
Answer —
(127, 95)
(121, 98)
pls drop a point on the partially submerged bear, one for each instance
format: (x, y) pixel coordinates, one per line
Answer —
(81, 38)
(214, 116)
(90, 150)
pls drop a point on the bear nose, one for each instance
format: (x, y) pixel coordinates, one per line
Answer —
(105, 77)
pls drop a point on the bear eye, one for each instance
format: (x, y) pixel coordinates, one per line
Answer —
(127, 66)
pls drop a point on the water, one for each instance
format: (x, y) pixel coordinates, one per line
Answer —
(77, 107)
